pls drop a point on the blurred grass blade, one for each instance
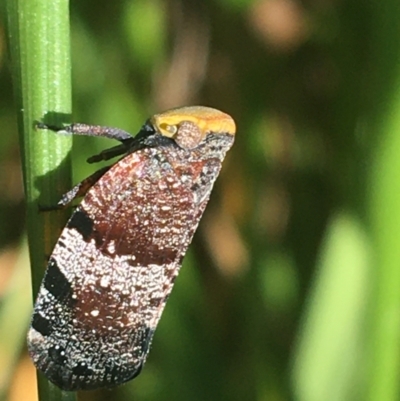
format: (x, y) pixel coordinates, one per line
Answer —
(383, 199)
(326, 363)
(384, 328)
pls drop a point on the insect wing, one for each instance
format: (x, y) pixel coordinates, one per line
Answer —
(113, 268)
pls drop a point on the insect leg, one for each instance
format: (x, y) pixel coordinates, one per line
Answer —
(109, 153)
(77, 191)
(89, 130)
(96, 130)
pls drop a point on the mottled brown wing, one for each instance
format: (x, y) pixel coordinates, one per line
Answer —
(113, 268)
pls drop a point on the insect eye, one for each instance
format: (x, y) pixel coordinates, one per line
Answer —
(168, 130)
(189, 135)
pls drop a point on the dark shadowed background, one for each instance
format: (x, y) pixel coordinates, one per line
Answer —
(291, 288)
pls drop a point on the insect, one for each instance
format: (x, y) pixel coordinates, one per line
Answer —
(115, 263)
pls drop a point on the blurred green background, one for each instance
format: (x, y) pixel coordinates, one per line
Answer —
(291, 288)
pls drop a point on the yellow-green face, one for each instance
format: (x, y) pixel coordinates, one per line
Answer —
(206, 119)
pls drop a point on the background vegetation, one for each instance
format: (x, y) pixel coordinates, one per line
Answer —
(291, 289)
